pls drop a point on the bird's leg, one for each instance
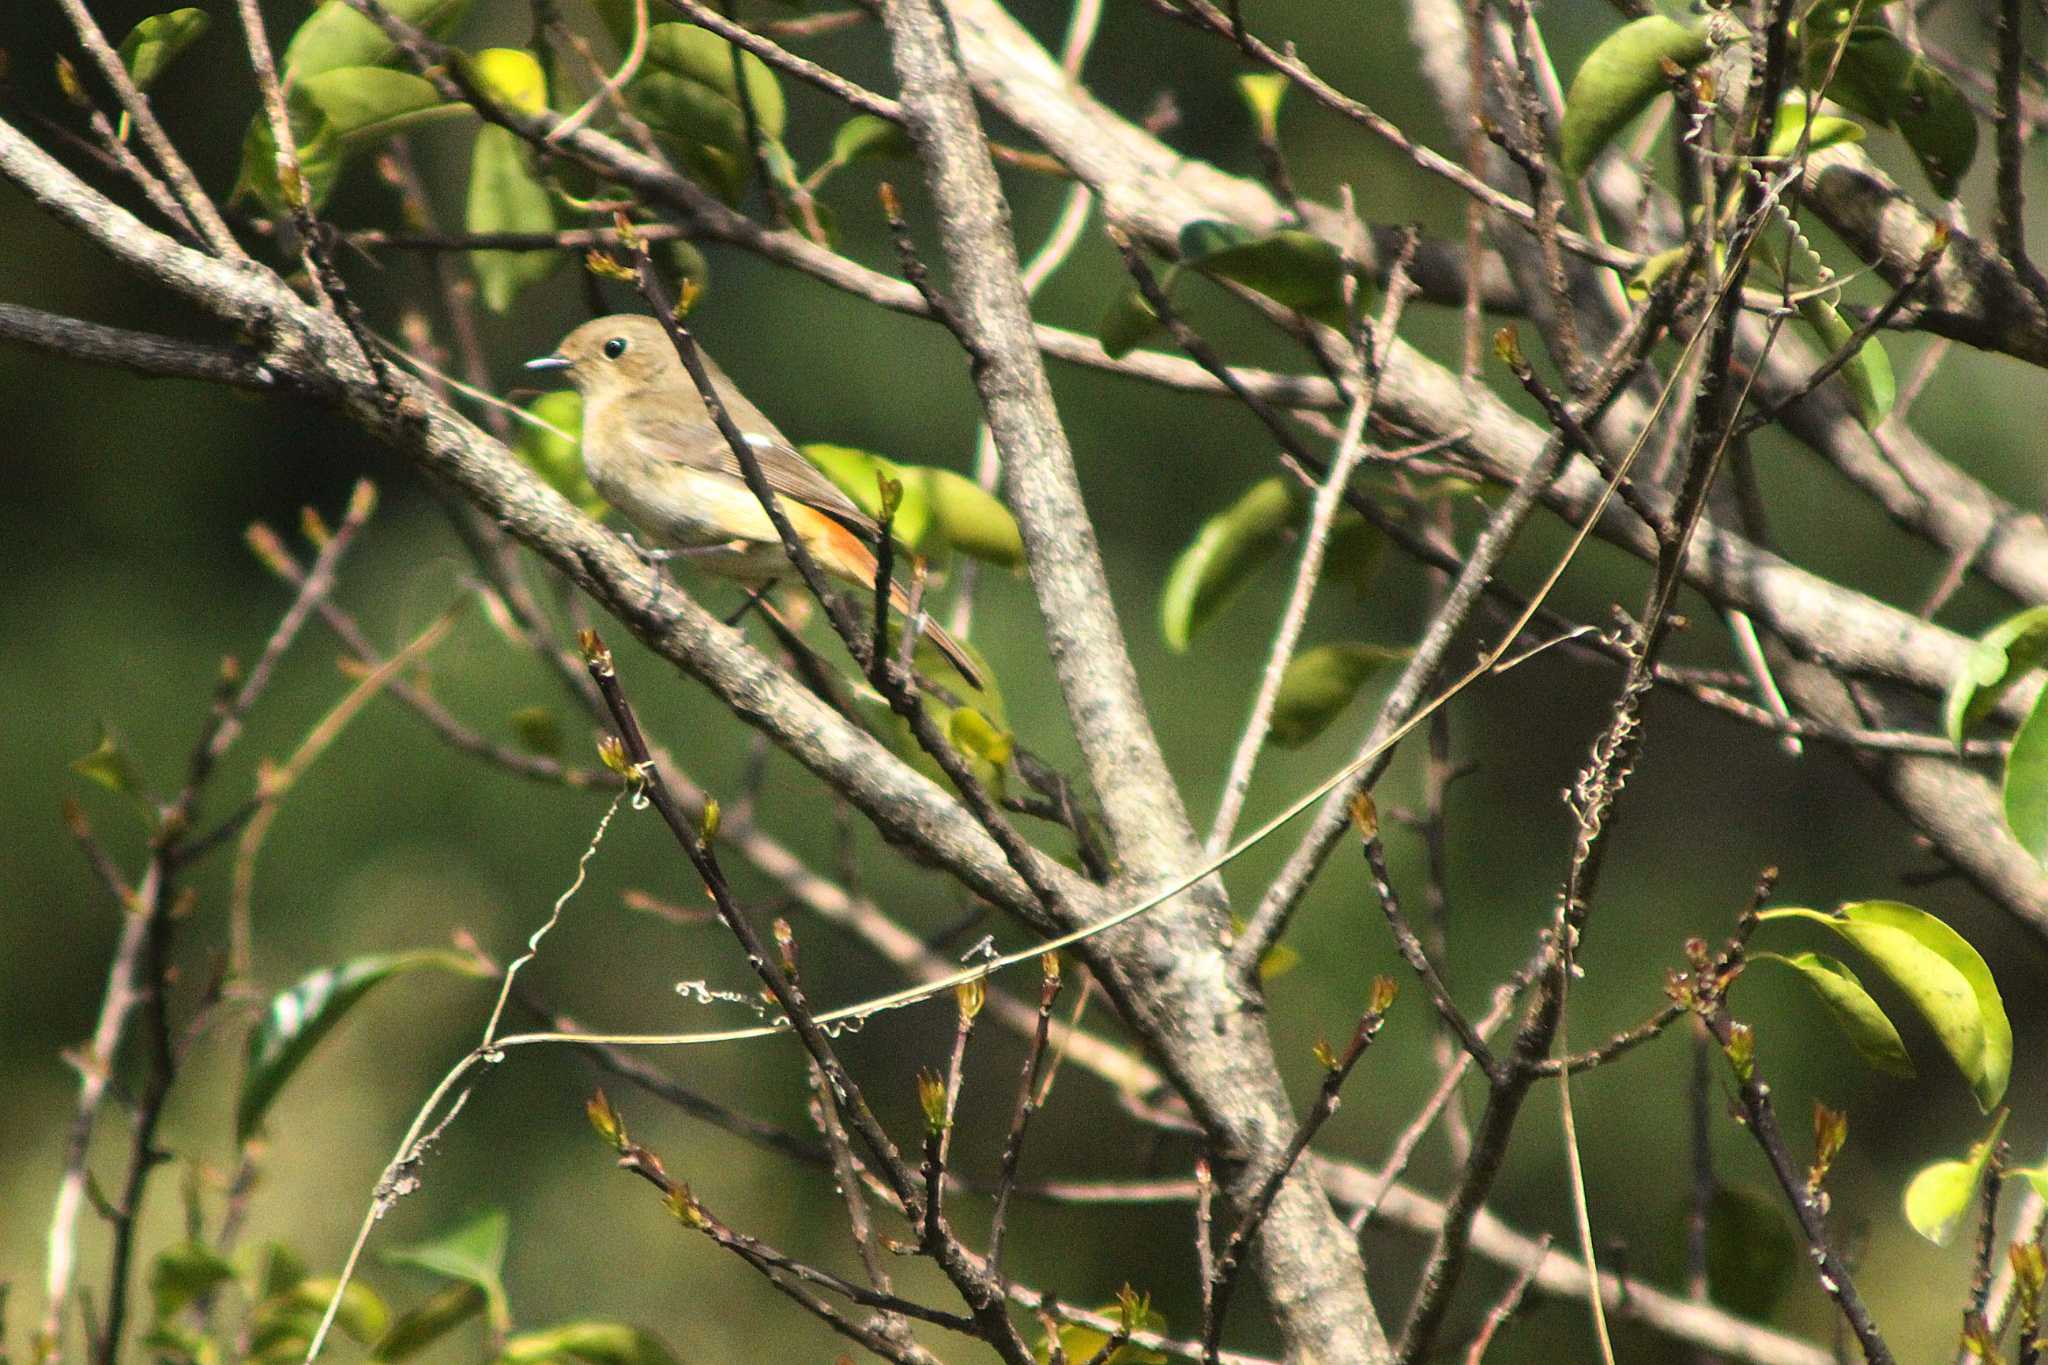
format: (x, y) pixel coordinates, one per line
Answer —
(652, 554)
(654, 557)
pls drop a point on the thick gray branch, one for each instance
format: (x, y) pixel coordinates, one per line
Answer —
(141, 352)
(1139, 801)
(1973, 295)
(1175, 980)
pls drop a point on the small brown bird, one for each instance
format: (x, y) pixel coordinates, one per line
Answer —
(652, 450)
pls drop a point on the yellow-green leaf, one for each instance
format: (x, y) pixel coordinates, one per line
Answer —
(1318, 684)
(2026, 783)
(597, 1343)
(858, 474)
(1860, 1018)
(1752, 1253)
(1828, 130)
(152, 45)
(552, 446)
(2001, 656)
(1945, 978)
(506, 196)
(473, 1252)
(183, 1273)
(972, 519)
(866, 137)
(300, 1017)
(1940, 1194)
(337, 36)
(1617, 81)
(1129, 321)
(108, 764)
(1225, 553)
(1295, 269)
(512, 76)
(434, 1318)
(1868, 373)
(1262, 93)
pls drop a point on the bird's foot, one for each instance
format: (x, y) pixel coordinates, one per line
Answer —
(654, 555)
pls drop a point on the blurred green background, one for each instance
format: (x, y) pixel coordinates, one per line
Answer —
(127, 581)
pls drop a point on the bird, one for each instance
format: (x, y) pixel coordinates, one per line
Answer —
(652, 451)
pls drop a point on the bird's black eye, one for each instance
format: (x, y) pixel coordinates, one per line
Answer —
(614, 348)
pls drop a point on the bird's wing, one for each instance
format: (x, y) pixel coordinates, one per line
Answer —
(700, 445)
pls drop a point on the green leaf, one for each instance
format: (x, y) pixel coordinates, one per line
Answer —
(108, 764)
(170, 1344)
(1080, 1344)
(281, 1327)
(1872, 76)
(152, 45)
(420, 1327)
(362, 105)
(539, 730)
(1617, 81)
(283, 1271)
(506, 196)
(2036, 1176)
(690, 265)
(473, 1252)
(702, 56)
(1262, 93)
(599, 1343)
(1752, 1253)
(973, 520)
(1859, 1016)
(1828, 130)
(510, 75)
(1354, 553)
(1129, 321)
(981, 735)
(300, 1017)
(1945, 978)
(1225, 553)
(858, 474)
(1940, 127)
(1869, 371)
(557, 454)
(336, 114)
(1318, 684)
(184, 1273)
(686, 92)
(2001, 656)
(1277, 961)
(868, 137)
(336, 36)
(362, 1314)
(1940, 1194)
(1295, 269)
(1654, 270)
(1880, 78)
(2026, 783)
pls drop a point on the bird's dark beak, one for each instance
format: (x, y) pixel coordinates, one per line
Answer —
(549, 362)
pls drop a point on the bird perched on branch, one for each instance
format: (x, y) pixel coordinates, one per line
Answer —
(653, 451)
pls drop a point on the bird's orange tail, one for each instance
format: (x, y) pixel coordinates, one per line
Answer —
(847, 556)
